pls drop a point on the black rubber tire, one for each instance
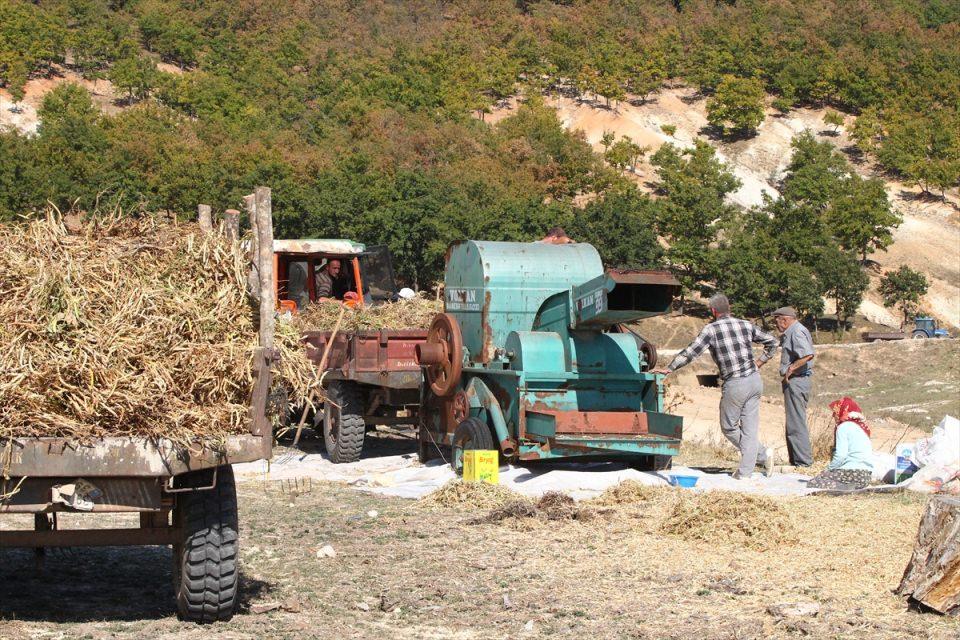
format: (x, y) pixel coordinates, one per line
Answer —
(472, 433)
(205, 563)
(919, 335)
(343, 428)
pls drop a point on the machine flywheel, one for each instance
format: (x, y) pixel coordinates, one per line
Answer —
(442, 354)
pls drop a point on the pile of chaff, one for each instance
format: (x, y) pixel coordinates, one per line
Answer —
(416, 313)
(125, 327)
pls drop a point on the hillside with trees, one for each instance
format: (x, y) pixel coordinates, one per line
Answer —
(367, 119)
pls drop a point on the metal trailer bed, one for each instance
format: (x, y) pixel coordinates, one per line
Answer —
(186, 498)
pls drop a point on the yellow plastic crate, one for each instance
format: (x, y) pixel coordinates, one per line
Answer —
(481, 466)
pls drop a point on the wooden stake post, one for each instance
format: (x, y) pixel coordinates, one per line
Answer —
(265, 250)
(205, 217)
(231, 224)
(253, 279)
(932, 577)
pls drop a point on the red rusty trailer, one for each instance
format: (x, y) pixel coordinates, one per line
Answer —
(372, 377)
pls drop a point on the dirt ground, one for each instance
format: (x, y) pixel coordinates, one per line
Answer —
(413, 571)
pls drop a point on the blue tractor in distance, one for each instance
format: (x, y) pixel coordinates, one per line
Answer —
(926, 327)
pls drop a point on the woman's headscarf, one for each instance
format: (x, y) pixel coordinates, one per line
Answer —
(847, 410)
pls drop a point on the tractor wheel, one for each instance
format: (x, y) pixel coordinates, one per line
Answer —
(919, 335)
(206, 577)
(343, 426)
(471, 434)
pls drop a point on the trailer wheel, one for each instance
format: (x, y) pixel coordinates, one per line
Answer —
(343, 427)
(471, 434)
(205, 562)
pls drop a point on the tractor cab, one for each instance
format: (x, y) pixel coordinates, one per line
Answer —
(365, 274)
(926, 327)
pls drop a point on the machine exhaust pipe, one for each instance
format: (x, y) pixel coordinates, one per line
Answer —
(508, 447)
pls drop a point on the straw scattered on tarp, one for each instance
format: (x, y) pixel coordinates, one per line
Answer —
(631, 492)
(479, 495)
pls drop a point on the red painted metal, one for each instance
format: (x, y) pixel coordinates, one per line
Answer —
(387, 356)
(598, 422)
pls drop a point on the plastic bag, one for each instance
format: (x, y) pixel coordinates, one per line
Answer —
(942, 448)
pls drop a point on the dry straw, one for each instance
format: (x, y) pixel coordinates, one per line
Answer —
(479, 495)
(725, 517)
(416, 313)
(125, 327)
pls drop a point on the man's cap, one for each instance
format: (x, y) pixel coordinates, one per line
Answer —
(787, 312)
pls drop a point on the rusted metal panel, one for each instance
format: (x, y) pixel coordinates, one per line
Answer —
(131, 457)
(598, 422)
(643, 276)
(116, 495)
(90, 537)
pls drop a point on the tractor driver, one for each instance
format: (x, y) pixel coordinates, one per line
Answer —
(328, 281)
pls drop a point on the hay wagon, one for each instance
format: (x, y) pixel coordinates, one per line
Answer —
(185, 495)
(186, 498)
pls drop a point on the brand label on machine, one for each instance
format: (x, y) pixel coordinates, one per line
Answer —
(592, 303)
(462, 300)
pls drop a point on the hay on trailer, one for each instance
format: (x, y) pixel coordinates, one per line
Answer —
(416, 313)
(726, 517)
(478, 495)
(123, 327)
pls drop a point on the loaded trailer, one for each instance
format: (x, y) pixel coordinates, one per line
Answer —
(185, 496)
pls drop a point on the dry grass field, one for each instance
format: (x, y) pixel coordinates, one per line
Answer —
(638, 563)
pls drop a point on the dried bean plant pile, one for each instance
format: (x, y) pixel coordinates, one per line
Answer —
(124, 326)
(416, 313)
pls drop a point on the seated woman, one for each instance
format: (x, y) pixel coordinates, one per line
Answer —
(852, 461)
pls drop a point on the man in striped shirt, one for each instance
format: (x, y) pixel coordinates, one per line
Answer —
(730, 341)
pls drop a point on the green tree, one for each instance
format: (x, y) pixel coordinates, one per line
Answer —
(737, 105)
(834, 119)
(607, 139)
(694, 185)
(136, 75)
(815, 172)
(620, 224)
(625, 153)
(924, 147)
(71, 148)
(843, 281)
(903, 288)
(860, 216)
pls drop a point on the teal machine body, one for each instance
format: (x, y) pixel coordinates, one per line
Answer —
(532, 347)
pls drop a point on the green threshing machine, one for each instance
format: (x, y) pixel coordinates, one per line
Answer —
(532, 358)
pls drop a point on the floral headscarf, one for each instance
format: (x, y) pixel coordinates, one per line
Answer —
(847, 410)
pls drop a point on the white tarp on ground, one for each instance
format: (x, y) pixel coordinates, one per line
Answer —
(404, 477)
